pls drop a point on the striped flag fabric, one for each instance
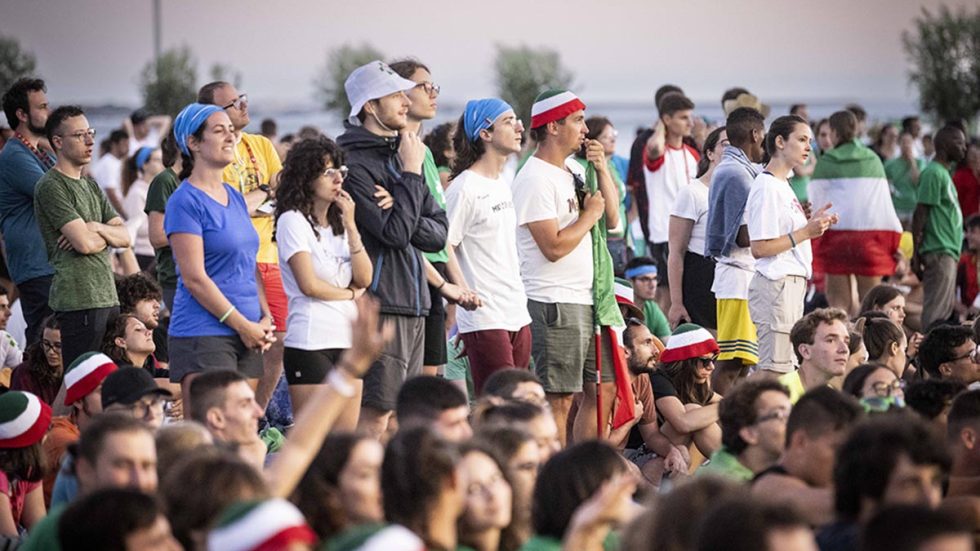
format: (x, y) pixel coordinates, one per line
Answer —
(864, 241)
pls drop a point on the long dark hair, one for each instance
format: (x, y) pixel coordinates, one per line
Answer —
(508, 540)
(304, 164)
(595, 125)
(782, 127)
(187, 160)
(709, 145)
(689, 391)
(37, 360)
(467, 152)
(318, 494)
(117, 330)
(27, 463)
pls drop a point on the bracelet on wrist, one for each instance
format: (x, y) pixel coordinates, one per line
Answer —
(791, 240)
(337, 382)
(226, 314)
(441, 285)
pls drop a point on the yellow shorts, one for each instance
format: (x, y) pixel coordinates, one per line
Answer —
(736, 332)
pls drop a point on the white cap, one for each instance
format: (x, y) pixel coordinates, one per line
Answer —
(372, 81)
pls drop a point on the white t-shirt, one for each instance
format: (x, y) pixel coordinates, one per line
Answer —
(543, 191)
(483, 231)
(315, 324)
(734, 272)
(137, 222)
(107, 172)
(664, 178)
(773, 211)
(152, 139)
(692, 204)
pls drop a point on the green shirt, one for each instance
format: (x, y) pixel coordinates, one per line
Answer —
(944, 228)
(81, 281)
(431, 173)
(904, 192)
(548, 543)
(161, 188)
(44, 535)
(799, 183)
(726, 465)
(656, 320)
(793, 384)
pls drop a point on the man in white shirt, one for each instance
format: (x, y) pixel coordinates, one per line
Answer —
(107, 170)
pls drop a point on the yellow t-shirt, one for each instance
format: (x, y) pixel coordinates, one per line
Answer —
(794, 384)
(256, 161)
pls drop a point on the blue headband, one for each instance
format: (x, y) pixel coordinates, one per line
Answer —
(641, 270)
(143, 155)
(189, 120)
(480, 114)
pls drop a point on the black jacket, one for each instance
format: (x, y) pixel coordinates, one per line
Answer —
(395, 236)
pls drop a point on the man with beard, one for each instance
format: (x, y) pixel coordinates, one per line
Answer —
(22, 164)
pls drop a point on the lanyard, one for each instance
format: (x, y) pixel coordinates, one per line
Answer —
(42, 158)
(252, 177)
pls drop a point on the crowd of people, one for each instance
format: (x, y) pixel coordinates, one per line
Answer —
(755, 333)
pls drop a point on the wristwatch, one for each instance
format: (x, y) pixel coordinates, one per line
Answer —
(267, 189)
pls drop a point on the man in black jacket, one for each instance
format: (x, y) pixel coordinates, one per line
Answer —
(381, 153)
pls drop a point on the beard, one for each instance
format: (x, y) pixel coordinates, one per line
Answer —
(640, 368)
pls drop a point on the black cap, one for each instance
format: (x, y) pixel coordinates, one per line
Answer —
(127, 385)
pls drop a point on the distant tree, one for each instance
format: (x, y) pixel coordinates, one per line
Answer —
(226, 73)
(523, 72)
(340, 62)
(944, 52)
(15, 63)
(170, 85)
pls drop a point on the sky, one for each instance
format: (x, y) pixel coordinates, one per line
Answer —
(92, 52)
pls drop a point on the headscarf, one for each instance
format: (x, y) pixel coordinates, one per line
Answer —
(480, 115)
(143, 155)
(189, 120)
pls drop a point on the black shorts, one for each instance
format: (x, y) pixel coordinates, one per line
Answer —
(435, 325)
(213, 353)
(309, 367)
(658, 252)
(699, 276)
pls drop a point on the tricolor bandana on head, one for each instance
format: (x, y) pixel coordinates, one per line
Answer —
(688, 341)
(24, 419)
(554, 105)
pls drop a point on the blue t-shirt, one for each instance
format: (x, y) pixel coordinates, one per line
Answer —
(19, 172)
(230, 246)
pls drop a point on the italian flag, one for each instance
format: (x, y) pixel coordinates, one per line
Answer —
(864, 242)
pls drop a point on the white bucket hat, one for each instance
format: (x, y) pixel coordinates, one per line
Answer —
(372, 81)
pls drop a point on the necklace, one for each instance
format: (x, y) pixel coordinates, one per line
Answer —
(43, 158)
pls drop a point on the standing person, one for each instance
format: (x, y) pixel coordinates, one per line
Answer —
(555, 214)
(381, 154)
(107, 170)
(642, 273)
(727, 241)
(138, 171)
(903, 178)
(619, 242)
(324, 266)
(780, 236)
(691, 299)
(78, 226)
(967, 181)
(253, 171)
(161, 188)
(220, 318)
(861, 248)
(21, 166)
(669, 164)
(937, 227)
(145, 129)
(483, 239)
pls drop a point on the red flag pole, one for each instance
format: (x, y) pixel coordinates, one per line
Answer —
(598, 382)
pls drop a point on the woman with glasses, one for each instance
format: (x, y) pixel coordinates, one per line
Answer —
(41, 371)
(682, 389)
(876, 386)
(324, 266)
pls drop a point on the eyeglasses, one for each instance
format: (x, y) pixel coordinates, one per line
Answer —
(705, 362)
(81, 135)
(141, 409)
(430, 88)
(52, 346)
(777, 415)
(972, 354)
(887, 389)
(332, 173)
(238, 102)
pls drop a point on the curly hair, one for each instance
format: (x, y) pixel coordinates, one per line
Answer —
(135, 288)
(467, 152)
(304, 164)
(439, 141)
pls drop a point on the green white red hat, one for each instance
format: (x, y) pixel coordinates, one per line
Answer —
(85, 374)
(688, 341)
(260, 526)
(626, 300)
(24, 419)
(554, 105)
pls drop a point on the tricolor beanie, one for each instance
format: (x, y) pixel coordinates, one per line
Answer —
(260, 526)
(85, 374)
(24, 419)
(554, 105)
(688, 341)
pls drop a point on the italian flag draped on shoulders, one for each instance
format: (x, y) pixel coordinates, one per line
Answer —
(864, 242)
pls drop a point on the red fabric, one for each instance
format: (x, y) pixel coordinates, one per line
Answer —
(557, 113)
(275, 295)
(655, 164)
(625, 399)
(692, 151)
(966, 278)
(283, 539)
(491, 350)
(968, 190)
(16, 494)
(84, 386)
(865, 252)
(34, 433)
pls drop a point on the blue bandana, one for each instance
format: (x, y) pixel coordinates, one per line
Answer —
(189, 120)
(641, 270)
(143, 155)
(480, 114)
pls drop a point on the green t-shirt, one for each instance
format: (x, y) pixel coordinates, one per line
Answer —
(799, 183)
(656, 320)
(944, 229)
(431, 173)
(793, 384)
(81, 281)
(548, 543)
(161, 188)
(44, 535)
(726, 465)
(904, 192)
(621, 187)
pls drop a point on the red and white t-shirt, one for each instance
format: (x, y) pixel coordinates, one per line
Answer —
(665, 176)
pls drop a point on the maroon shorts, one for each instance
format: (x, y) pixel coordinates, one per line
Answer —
(495, 349)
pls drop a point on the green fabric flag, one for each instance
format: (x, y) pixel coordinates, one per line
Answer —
(603, 296)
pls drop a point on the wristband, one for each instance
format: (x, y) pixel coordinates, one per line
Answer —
(338, 383)
(226, 314)
(791, 240)
(441, 285)
(351, 293)
(355, 251)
